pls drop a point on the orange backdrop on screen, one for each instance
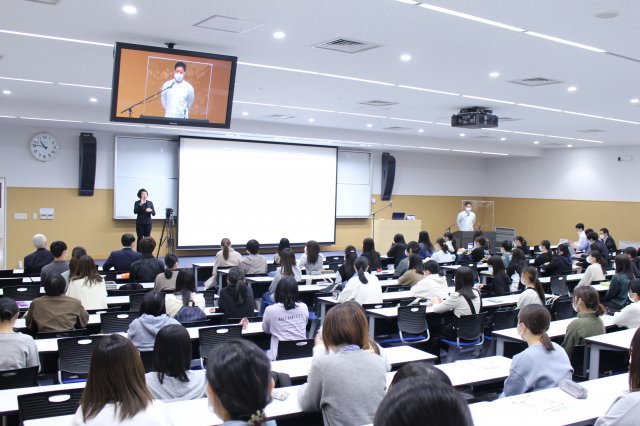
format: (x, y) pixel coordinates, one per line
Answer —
(143, 73)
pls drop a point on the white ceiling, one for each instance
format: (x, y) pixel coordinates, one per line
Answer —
(449, 53)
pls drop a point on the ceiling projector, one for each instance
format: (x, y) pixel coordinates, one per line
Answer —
(474, 118)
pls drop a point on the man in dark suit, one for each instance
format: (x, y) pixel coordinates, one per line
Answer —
(34, 262)
(122, 259)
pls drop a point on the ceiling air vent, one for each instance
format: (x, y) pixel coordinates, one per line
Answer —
(50, 2)
(228, 24)
(535, 81)
(553, 144)
(483, 137)
(396, 128)
(591, 131)
(377, 103)
(345, 45)
(279, 116)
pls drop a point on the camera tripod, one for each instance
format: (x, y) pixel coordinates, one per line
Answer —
(169, 228)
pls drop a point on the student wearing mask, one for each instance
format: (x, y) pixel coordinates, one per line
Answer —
(534, 292)
(582, 244)
(414, 272)
(616, 296)
(478, 254)
(625, 410)
(544, 363)
(254, 263)
(19, 350)
(434, 283)
(500, 282)
(608, 240)
(466, 218)
(424, 242)
(311, 259)
(629, 316)
(545, 256)
(631, 254)
(363, 287)
(441, 253)
(398, 248)
(586, 303)
(369, 251)
(596, 271)
(560, 264)
(596, 244)
(403, 265)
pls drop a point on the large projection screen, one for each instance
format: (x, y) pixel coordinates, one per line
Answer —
(242, 190)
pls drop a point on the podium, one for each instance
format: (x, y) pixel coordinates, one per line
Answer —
(385, 229)
(465, 237)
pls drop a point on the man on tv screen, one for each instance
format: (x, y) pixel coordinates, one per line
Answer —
(177, 96)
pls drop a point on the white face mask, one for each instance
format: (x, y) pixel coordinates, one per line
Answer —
(540, 248)
(519, 333)
(575, 308)
(179, 77)
(468, 209)
(602, 237)
(631, 298)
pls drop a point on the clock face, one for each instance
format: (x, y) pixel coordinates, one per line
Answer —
(43, 146)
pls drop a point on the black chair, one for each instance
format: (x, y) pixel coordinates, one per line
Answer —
(6, 282)
(412, 324)
(334, 266)
(559, 285)
(210, 337)
(562, 308)
(22, 292)
(470, 335)
(291, 349)
(128, 292)
(280, 380)
(117, 322)
(272, 268)
(59, 334)
(147, 360)
(334, 259)
(41, 405)
(502, 319)
(578, 362)
(74, 357)
(135, 300)
(237, 320)
(8, 273)
(209, 298)
(19, 378)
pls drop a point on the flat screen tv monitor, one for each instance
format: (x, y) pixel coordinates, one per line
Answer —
(157, 85)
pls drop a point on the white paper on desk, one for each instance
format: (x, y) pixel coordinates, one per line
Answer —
(532, 400)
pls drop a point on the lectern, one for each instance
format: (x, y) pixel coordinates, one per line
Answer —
(385, 229)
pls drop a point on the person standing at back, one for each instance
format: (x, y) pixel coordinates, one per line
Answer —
(143, 209)
(466, 218)
(122, 259)
(34, 262)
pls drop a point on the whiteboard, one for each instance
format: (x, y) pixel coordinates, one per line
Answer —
(354, 184)
(148, 163)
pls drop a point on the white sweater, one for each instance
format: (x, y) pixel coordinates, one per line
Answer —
(92, 296)
(431, 285)
(371, 292)
(156, 414)
(628, 317)
(528, 297)
(593, 273)
(442, 257)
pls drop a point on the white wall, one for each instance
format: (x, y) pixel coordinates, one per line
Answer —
(571, 174)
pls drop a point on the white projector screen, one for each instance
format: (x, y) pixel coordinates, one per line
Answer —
(243, 190)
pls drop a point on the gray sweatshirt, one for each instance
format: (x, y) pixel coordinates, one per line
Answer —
(172, 389)
(624, 411)
(143, 330)
(253, 264)
(336, 380)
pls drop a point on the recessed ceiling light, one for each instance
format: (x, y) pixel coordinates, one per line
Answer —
(572, 89)
(94, 100)
(369, 125)
(311, 120)
(494, 74)
(461, 135)
(129, 9)
(279, 35)
(536, 142)
(634, 100)
(406, 57)
(503, 139)
(6, 92)
(569, 146)
(245, 113)
(421, 130)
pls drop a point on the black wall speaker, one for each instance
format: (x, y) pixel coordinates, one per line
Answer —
(88, 148)
(388, 175)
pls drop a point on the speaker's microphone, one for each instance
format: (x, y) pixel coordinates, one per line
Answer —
(172, 83)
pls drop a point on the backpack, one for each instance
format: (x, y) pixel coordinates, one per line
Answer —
(190, 313)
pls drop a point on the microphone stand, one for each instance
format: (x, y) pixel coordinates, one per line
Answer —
(130, 109)
(448, 228)
(373, 232)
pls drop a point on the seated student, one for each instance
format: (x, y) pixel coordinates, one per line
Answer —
(283, 244)
(582, 244)
(544, 363)
(87, 285)
(239, 383)
(441, 252)
(629, 316)
(596, 271)
(516, 266)
(54, 311)
(596, 244)
(334, 380)
(59, 265)
(451, 243)
(560, 263)
(167, 280)
(631, 254)
(254, 263)
(398, 248)
(424, 242)
(414, 273)
(147, 268)
(288, 268)
(403, 265)
(347, 269)
(625, 410)
(521, 243)
(34, 262)
(616, 296)
(172, 378)
(465, 300)
(420, 369)
(534, 292)
(608, 240)
(185, 292)
(500, 282)
(369, 251)
(287, 318)
(478, 254)
(363, 287)
(19, 350)
(116, 392)
(545, 256)
(122, 259)
(153, 316)
(420, 401)
(586, 302)
(236, 298)
(225, 257)
(505, 251)
(76, 254)
(311, 259)
(434, 283)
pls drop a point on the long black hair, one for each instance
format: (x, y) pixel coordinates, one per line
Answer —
(235, 281)
(170, 261)
(287, 292)
(463, 278)
(532, 276)
(449, 237)
(153, 304)
(415, 262)
(362, 265)
(313, 251)
(172, 353)
(185, 285)
(600, 260)
(423, 237)
(350, 256)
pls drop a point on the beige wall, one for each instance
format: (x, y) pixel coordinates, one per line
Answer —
(87, 221)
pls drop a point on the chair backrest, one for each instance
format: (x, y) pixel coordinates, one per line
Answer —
(336, 259)
(8, 273)
(127, 292)
(559, 285)
(378, 305)
(20, 378)
(290, 349)
(412, 319)
(6, 282)
(117, 322)
(578, 361)
(470, 327)
(135, 300)
(48, 404)
(334, 266)
(503, 319)
(74, 353)
(209, 298)
(272, 268)
(59, 334)
(237, 320)
(562, 308)
(22, 292)
(212, 336)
